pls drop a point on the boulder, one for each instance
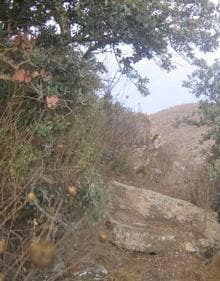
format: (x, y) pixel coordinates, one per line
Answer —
(92, 271)
(140, 239)
(149, 222)
(139, 159)
(189, 247)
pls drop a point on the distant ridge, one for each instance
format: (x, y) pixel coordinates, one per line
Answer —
(184, 138)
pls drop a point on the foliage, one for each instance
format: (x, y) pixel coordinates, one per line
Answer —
(204, 83)
(93, 198)
(123, 130)
(151, 28)
(49, 133)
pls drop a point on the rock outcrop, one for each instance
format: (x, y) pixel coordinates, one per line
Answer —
(93, 271)
(152, 223)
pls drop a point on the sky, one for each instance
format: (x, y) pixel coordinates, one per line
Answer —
(165, 88)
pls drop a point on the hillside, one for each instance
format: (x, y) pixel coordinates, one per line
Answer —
(184, 138)
(172, 160)
(176, 166)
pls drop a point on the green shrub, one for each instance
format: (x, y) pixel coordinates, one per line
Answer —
(20, 163)
(93, 199)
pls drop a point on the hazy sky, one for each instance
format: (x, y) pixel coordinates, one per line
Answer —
(165, 88)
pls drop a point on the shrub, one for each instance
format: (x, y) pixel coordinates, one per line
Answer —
(122, 131)
(93, 198)
(45, 149)
(202, 187)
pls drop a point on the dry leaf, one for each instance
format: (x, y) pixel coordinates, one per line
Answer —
(72, 190)
(35, 74)
(18, 40)
(103, 237)
(22, 41)
(21, 75)
(31, 196)
(60, 146)
(52, 101)
(42, 253)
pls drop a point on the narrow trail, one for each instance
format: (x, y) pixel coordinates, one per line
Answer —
(151, 236)
(166, 233)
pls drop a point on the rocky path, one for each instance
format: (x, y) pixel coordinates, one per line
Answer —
(171, 230)
(152, 237)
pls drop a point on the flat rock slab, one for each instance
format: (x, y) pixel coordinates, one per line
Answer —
(93, 272)
(153, 206)
(141, 239)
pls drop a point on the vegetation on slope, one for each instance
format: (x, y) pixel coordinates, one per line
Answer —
(55, 129)
(204, 84)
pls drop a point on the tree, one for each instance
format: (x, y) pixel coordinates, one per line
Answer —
(204, 83)
(152, 28)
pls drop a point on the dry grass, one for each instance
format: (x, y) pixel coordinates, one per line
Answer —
(123, 131)
(202, 188)
(33, 206)
(125, 128)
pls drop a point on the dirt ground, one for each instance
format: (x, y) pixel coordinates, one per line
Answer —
(122, 265)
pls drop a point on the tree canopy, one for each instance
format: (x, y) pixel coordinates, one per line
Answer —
(152, 28)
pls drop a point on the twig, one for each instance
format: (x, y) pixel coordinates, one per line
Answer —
(28, 97)
(68, 226)
(6, 77)
(7, 61)
(55, 216)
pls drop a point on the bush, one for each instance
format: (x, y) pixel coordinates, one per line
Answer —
(45, 148)
(202, 187)
(93, 199)
(122, 131)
